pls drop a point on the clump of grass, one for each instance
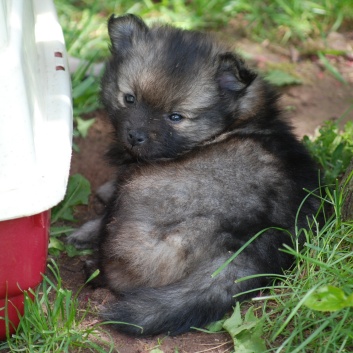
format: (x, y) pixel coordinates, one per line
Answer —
(293, 20)
(273, 19)
(84, 28)
(52, 322)
(332, 148)
(85, 96)
(309, 310)
(86, 39)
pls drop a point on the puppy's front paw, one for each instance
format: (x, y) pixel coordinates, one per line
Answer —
(86, 237)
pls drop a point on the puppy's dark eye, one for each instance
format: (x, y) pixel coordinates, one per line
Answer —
(175, 117)
(129, 98)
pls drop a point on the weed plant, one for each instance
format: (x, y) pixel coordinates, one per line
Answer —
(332, 148)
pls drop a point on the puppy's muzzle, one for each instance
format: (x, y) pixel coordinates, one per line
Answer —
(136, 137)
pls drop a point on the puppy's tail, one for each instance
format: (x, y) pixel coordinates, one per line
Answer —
(192, 302)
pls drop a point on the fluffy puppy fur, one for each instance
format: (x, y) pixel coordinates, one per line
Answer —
(204, 162)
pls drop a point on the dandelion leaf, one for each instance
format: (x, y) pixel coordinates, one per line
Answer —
(246, 333)
(328, 298)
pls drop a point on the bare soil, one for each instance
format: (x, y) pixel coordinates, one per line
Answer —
(319, 98)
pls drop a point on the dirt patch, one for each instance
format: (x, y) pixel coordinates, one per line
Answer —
(319, 98)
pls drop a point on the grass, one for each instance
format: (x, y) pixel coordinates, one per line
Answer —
(84, 21)
(332, 148)
(53, 322)
(291, 20)
(309, 310)
(85, 96)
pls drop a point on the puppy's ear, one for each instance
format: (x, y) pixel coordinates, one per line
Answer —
(232, 74)
(124, 31)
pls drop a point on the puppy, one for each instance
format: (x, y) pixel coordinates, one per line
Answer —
(204, 162)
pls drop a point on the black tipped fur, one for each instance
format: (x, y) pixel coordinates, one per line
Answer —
(191, 314)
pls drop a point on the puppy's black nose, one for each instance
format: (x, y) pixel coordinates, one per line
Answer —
(136, 137)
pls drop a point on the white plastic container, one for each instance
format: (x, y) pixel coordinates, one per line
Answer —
(35, 145)
(35, 108)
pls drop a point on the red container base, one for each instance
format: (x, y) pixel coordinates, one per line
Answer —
(23, 255)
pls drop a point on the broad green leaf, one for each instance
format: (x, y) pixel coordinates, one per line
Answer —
(246, 333)
(59, 231)
(82, 87)
(234, 322)
(281, 78)
(57, 244)
(84, 125)
(329, 298)
(77, 193)
(72, 251)
(215, 326)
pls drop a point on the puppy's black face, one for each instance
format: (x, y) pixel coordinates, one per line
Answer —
(166, 90)
(160, 119)
(148, 131)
